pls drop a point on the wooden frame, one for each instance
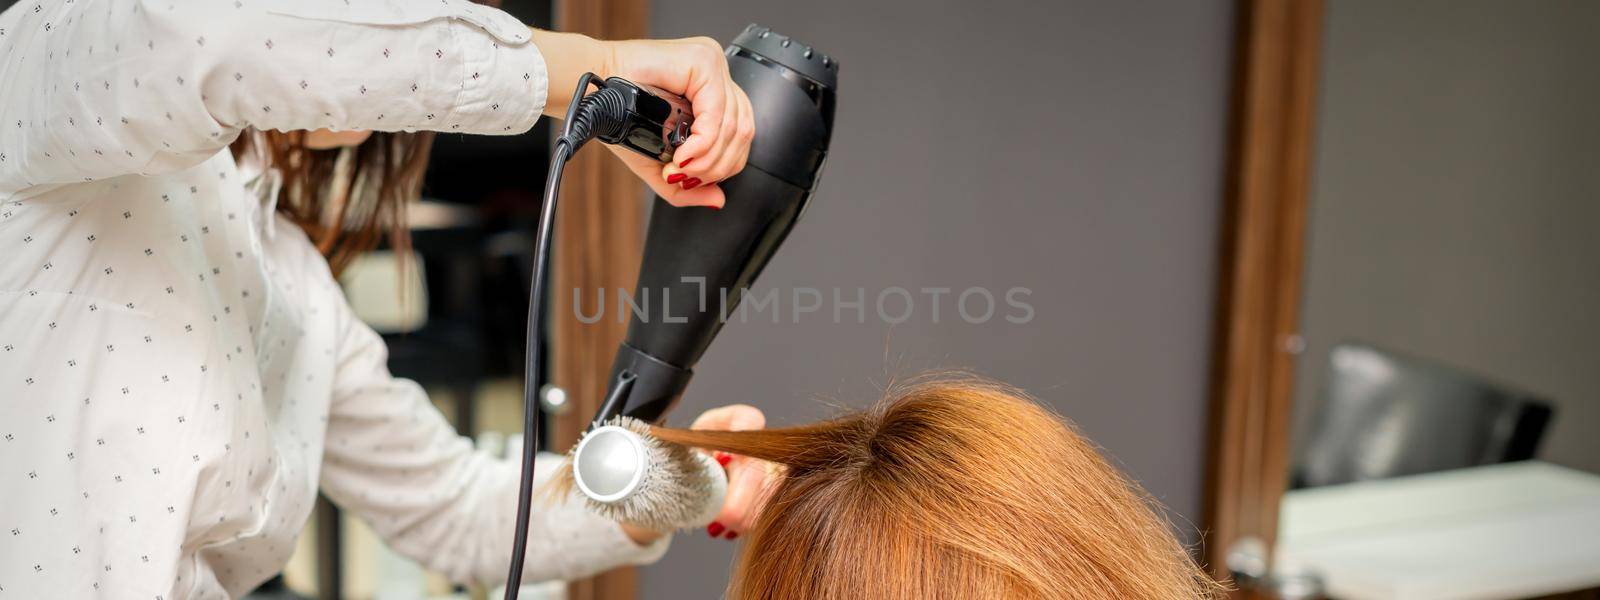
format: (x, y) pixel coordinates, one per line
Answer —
(598, 240)
(1257, 314)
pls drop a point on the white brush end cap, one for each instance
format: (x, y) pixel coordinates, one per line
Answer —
(610, 463)
(634, 478)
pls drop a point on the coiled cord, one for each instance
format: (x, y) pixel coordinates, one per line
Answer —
(602, 113)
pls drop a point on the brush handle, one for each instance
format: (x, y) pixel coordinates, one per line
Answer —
(719, 492)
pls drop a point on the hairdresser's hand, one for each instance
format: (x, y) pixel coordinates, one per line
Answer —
(719, 141)
(748, 478)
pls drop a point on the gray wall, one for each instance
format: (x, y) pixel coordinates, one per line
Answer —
(1074, 148)
(1456, 198)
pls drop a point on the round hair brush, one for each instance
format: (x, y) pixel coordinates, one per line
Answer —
(628, 475)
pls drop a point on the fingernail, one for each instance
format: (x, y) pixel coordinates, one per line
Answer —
(732, 535)
(691, 183)
(685, 162)
(676, 177)
(714, 529)
(723, 458)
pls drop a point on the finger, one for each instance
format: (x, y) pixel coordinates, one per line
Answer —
(672, 174)
(703, 195)
(717, 157)
(709, 102)
(733, 417)
(747, 478)
(747, 481)
(655, 176)
(701, 164)
(736, 149)
(732, 151)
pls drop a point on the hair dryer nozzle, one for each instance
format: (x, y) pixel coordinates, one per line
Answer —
(698, 262)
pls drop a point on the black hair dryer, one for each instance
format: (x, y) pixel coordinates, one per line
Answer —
(697, 261)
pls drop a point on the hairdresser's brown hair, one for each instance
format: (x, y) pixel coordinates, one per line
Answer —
(350, 212)
(951, 487)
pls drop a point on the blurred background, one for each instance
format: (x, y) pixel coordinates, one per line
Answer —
(1446, 425)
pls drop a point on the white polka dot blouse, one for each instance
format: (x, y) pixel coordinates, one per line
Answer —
(179, 372)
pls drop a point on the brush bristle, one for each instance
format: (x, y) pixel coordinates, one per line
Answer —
(681, 488)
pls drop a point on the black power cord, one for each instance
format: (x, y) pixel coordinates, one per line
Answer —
(601, 113)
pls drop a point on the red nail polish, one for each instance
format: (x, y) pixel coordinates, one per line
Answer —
(723, 458)
(685, 162)
(676, 177)
(732, 535)
(691, 183)
(714, 529)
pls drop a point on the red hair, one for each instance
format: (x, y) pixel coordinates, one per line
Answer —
(951, 487)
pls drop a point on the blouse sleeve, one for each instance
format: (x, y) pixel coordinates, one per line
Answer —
(392, 458)
(101, 88)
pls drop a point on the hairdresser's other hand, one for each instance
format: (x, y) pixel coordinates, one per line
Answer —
(748, 478)
(719, 141)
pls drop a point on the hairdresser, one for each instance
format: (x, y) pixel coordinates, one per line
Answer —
(180, 374)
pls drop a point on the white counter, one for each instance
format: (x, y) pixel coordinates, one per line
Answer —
(1504, 531)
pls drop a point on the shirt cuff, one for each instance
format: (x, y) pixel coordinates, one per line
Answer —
(630, 552)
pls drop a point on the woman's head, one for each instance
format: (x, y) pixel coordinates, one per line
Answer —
(949, 488)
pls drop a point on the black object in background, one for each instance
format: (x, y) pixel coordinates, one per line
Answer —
(1387, 415)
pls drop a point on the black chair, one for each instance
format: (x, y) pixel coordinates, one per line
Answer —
(1386, 415)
